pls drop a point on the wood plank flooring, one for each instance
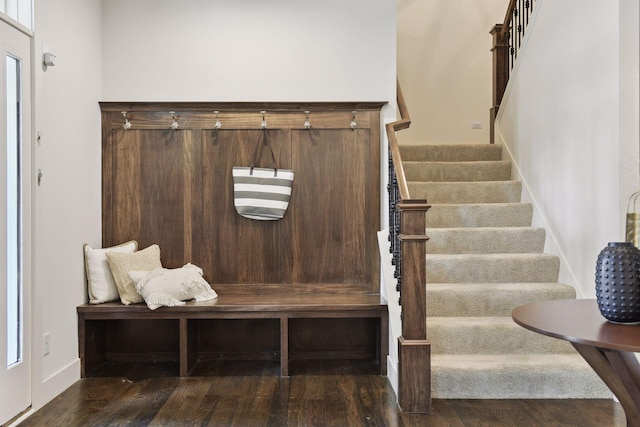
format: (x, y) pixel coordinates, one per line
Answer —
(243, 395)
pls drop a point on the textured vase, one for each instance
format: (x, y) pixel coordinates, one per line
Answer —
(618, 282)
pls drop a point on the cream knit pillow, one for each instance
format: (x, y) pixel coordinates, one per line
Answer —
(122, 263)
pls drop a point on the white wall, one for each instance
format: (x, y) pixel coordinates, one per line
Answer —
(564, 123)
(67, 203)
(249, 50)
(444, 66)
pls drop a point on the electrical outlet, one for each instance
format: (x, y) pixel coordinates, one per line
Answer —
(46, 343)
(476, 125)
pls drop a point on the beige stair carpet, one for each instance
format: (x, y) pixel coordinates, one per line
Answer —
(483, 260)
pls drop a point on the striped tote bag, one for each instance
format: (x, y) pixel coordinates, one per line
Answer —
(262, 193)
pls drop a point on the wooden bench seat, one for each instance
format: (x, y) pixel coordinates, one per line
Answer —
(281, 326)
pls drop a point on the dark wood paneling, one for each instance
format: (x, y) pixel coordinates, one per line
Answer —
(92, 343)
(343, 338)
(238, 339)
(230, 248)
(329, 206)
(123, 221)
(135, 337)
(175, 188)
(151, 187)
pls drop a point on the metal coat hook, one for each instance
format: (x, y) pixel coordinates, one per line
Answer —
(218, 124)
(174, 124)
(264, 124)
(354, 124)
(307, 123)
(127, 123)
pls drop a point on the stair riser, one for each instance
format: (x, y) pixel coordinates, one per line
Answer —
(479, 215)
(459, 337)
(488, 299)
(551, 382)
(462, 193)
(451, 153)
(461, 172)
(471, 269)
(488, 241)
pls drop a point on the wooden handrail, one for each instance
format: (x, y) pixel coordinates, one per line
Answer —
(506, 25)
(392, 128)
(405, 121)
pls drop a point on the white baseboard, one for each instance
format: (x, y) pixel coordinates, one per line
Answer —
(392, 374)
(52, 386)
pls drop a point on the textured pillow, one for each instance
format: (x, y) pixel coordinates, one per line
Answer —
(164, 287)
(121, 264)
(101, 287)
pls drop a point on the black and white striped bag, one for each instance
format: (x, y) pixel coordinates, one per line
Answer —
(262, 193)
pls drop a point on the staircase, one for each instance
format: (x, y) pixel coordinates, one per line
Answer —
(484, 259)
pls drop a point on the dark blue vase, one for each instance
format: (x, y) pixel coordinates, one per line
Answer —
(618, 282)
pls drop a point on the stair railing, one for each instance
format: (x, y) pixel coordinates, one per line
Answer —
(407, 236)
(507, 41)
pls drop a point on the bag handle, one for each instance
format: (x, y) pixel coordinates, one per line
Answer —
(264, 136)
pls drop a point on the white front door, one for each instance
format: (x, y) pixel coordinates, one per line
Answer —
(15, 222)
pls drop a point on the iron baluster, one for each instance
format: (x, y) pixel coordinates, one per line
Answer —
(394, 224)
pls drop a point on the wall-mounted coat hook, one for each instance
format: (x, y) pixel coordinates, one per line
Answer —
(127, 123)
(218, 124)
(307, 123)
(264, 124)
(354, 124)
(174, 124)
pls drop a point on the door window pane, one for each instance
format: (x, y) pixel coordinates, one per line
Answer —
(18, 10)
(13, 279)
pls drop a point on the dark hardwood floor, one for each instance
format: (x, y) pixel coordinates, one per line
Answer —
(251, 394)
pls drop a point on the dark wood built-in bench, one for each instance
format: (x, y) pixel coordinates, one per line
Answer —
(261, 327)
(304, 287)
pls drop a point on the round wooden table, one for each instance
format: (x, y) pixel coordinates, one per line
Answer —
(608, 347)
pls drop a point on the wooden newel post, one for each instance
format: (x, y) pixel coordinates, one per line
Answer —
(500, 51)
(414, 351)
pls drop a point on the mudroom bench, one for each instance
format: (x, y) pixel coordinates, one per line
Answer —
(278, 327)
(298, 294)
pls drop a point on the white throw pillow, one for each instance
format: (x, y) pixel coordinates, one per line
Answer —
(100, 284)
(171, 287)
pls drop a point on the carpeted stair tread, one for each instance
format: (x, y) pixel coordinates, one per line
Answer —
(488, 335)
(488, 240)
(489, 299)
(499, 170)
(515, 376)
(451, 152)
(467, 192)
(480, 215)
(492, 268)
